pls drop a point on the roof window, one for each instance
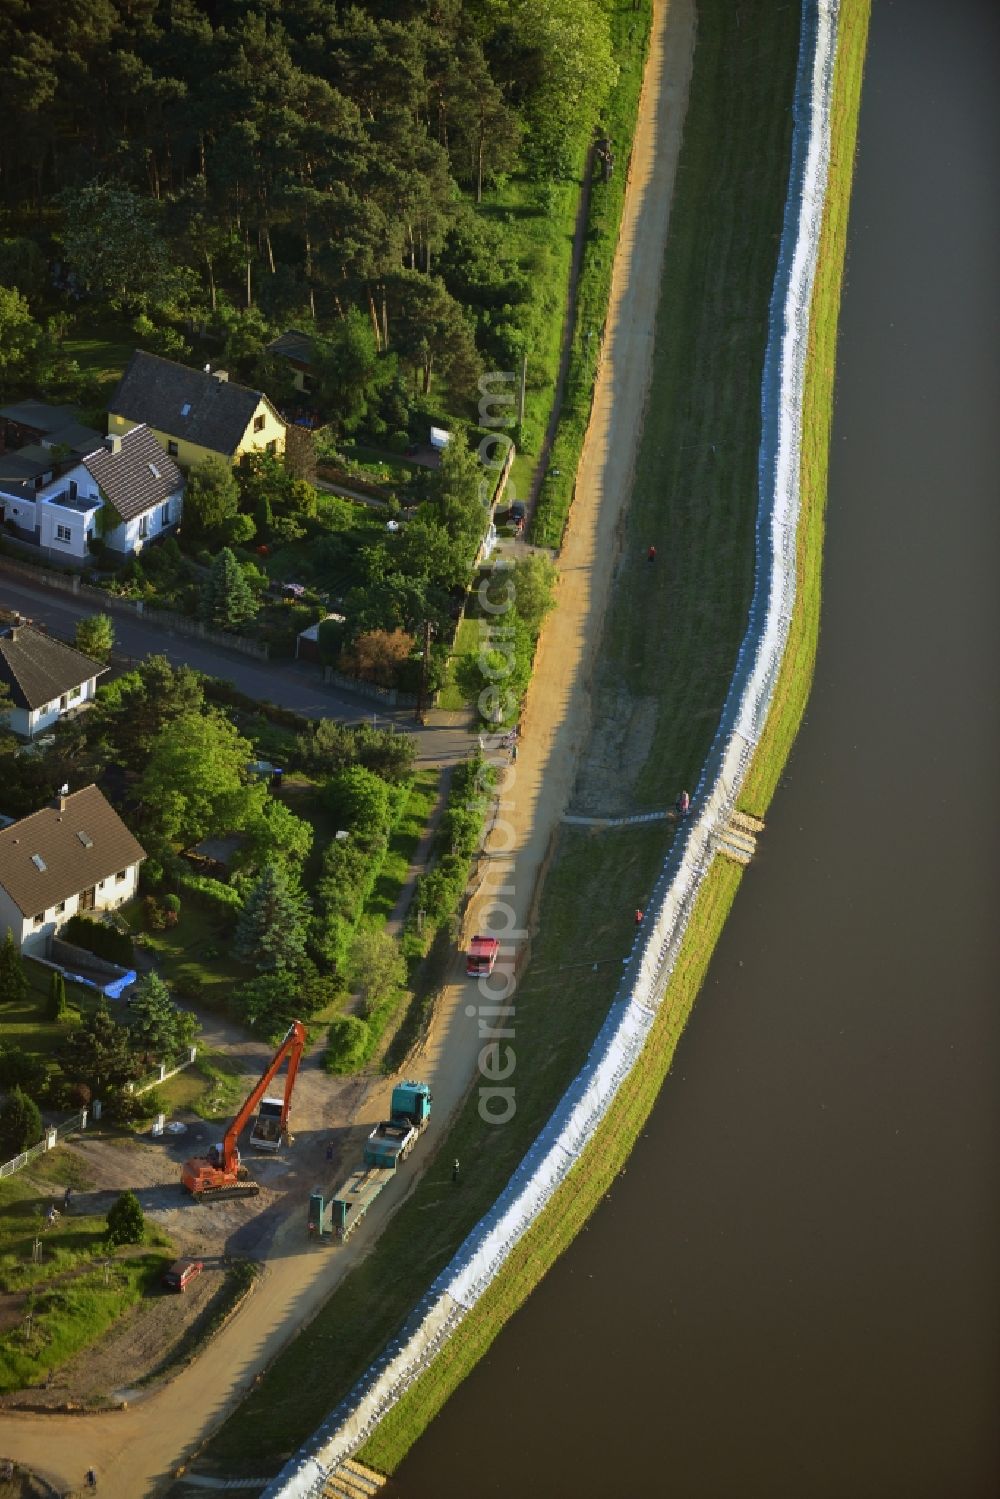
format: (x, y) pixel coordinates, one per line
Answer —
(186, 409)
(154, 470)
(86, 840)
(39, 863)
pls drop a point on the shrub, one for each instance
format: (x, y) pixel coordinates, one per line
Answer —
(20, 1124)
(18, 1069)
(212, 895)
(153, 914)
(190, 986)
(348, 1044)
(359, 800)
(126, 1224)
(100, 939)
(172, 903)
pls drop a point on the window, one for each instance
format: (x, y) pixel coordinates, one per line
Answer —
(37, 920)
(63, 533)
(165, 514)
(60, 908)
(272, 446)
(172, 449)
(143, 527)
(69, 697)
(186, 409)
(258, 424)
(153, 470)
(121, 875)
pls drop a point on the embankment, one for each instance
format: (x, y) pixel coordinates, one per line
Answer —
(551, 1193)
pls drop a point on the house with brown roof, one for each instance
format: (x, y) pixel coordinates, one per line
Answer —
(196, 414)
(126, 491)
(74, 855)
(46, 679)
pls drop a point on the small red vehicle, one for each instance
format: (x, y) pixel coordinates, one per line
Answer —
(181, 1273)
(482, 956)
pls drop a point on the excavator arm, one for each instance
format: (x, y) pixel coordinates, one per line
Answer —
(291, 1047)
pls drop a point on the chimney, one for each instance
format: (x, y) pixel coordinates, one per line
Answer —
(113, 443)
(208, 369)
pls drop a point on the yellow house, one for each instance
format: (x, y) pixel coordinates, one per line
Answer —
(195, 414)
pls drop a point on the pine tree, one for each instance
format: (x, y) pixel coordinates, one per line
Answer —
(271, 931)
(227, 600)
(58, 1008)
(155, 1017)
(126, 1221)
(13, 980)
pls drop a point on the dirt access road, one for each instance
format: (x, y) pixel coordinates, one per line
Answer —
(135, 1450)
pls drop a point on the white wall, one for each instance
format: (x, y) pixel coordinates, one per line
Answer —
(40, 719)
(109, 894)
(126, 537)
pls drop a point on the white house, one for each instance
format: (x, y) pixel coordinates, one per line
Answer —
(74, 855)
(126, 492)
(46, 679)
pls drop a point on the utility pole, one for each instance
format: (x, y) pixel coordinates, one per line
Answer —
(425, 666)
(520, 395)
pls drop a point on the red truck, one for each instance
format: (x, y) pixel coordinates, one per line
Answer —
(482, 956)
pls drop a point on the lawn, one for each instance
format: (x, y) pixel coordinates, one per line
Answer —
(420, 803)
(70, 1295)
(196, 950)
(454, 695)
(24, 1026)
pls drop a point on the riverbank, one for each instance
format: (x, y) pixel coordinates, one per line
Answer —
(613, 1142)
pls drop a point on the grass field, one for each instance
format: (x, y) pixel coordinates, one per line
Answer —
(71, 1299)
(726, 222)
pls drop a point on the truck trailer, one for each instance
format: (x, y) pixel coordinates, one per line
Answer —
(338, 1212)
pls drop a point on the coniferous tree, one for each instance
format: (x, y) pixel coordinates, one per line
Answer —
(99, 1054)
(271, 932)
(58, 1008)
(13, 979)
(227, 600)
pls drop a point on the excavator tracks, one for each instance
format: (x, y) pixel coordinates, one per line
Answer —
(237, 1189)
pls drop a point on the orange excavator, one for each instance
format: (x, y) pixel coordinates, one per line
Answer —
(221, 1173)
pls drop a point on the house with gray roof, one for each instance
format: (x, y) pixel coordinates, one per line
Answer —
(74, 855)
(51, 427)
(126, 491)
(46, 679)
(195, 414)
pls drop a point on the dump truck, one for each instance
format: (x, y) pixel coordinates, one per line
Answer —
(338, 1212)
(482, 956)
(221, 1173)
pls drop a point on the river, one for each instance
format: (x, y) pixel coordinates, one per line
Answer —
(793, 1289)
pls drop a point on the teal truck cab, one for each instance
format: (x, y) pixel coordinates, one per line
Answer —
(389, 1143)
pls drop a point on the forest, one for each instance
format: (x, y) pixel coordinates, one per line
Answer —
(232, 168)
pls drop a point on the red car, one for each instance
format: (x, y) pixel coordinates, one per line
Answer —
(181, 1273)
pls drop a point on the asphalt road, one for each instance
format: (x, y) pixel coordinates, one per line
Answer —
(444, 739)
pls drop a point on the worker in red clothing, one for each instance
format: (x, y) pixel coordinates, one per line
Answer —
(638, 917)
(651, 555)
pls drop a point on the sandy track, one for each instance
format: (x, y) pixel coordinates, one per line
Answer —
(135, 1450)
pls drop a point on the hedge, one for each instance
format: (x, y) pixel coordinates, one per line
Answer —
(104, 941)
(212, 895)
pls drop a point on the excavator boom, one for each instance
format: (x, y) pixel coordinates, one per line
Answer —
(291, 1047)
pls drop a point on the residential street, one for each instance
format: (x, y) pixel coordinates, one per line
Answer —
(442, 741)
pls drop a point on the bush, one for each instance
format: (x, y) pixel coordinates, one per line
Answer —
(172, 903)
(20, 1124)
(126, 1224)
(212, 895)
(359, 800)
(348, 1044)
(153, 914)
(18, 1069)
(190, 986)
(104, 941)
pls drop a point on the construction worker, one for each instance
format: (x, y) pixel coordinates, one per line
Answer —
(455, 1170)
(638, 917)
(651, 555)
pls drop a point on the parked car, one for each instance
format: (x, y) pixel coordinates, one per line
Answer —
(518, 512)
(181, 1273)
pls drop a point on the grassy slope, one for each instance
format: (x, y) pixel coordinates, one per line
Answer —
(614, 1141)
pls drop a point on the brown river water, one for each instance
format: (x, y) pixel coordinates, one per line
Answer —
(793, 1292)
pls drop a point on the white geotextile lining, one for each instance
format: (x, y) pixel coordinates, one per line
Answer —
(620, 1041)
